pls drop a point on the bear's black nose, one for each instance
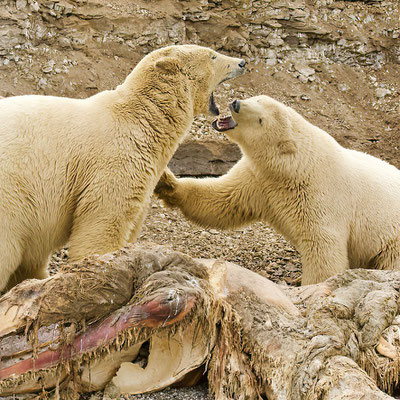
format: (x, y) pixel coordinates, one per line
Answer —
(235, 105)
(242, 64)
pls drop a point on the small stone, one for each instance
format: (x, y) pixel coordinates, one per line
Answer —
(64, 42)
(42, 83)
(382, 92)
(78, 43)
(276, 41)
(302, 78)
(95, 396)
(268, 323)
(47, 68)
(304, 69)
(34, 6)
(271, 61)
(343, 87)
(111, 391)
(21, 4)
(263, 32)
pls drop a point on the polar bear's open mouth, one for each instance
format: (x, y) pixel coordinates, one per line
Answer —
(222, 124)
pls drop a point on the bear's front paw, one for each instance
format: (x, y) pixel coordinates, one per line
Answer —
(166, 188)
(167, 182)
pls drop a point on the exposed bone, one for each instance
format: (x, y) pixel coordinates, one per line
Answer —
(98, 372)
(387, 349)
(171, 357)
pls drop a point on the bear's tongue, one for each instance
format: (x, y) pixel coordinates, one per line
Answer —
(225, 123)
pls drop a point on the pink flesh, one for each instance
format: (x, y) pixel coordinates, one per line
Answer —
(224, 123)
(152, 314)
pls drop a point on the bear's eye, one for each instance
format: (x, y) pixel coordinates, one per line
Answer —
(213, 57)
(260, 121)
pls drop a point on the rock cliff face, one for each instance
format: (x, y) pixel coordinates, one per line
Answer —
(337, 62)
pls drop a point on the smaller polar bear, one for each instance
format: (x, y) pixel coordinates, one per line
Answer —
(83, 171)
(340, 208)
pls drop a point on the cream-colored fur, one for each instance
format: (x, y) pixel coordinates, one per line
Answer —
(340, 208)
(83, 171)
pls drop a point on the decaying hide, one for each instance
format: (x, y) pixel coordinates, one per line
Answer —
(142, 318)
(81, 324)
(344, 344)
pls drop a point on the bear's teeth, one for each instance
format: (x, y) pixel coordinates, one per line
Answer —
(222, 118)
(222, 121)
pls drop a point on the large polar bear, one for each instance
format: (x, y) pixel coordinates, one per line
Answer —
(83, 170)
(340, 208)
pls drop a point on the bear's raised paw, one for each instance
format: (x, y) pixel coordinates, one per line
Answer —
(166, 187)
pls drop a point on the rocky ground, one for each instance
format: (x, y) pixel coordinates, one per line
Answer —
(335, 62)
(199, 392)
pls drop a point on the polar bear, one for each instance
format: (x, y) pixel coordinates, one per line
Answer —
(340, 208)
(83, 171)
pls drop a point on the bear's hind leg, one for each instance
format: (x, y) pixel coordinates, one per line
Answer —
(29, 269)
(10, 259)
(98, 235)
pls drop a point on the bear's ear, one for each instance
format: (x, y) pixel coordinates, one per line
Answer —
(287, 146)
(168, 64)
(284, 127)
(282, 120)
